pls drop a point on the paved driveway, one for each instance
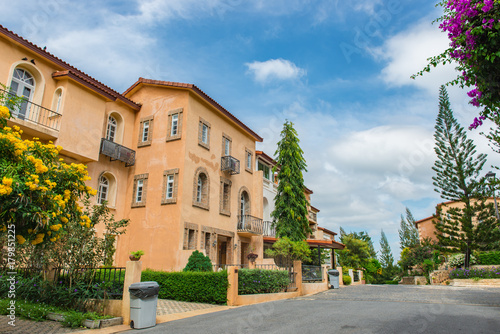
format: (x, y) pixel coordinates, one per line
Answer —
(358, 309)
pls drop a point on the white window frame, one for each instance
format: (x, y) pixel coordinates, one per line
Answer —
(170, 186)
(199, 189)
(104, 185)
(204, 133)
(145, 131)
(139, 190)
(227, 147)
(111, 128)
(175, 125)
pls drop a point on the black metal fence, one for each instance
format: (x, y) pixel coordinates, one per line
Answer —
(221, 267)
(312, 273)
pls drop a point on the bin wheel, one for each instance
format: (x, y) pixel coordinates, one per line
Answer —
(132, 324)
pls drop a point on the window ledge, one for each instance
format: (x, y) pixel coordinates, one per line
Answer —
(201, 206)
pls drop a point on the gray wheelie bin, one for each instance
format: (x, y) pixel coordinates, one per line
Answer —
(334, 278)
(143, 300)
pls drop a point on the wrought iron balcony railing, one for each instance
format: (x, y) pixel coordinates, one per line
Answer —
(230, 164)
(247, 223)
(268, 229)
(36, 114)
(117, 152)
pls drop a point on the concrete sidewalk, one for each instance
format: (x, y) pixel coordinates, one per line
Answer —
(167, 310)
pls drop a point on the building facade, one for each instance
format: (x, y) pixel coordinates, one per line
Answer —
(165, 155)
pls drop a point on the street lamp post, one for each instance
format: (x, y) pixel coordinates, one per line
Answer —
(491, 178)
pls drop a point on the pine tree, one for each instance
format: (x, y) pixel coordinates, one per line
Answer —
(290, 213)
(458, 169)
(386, 258)
(408, 232)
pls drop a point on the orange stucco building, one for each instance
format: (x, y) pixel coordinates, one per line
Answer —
(426, 227)
(165, 155)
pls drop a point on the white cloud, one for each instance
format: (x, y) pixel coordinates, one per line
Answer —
(406, 53)
(280, 69)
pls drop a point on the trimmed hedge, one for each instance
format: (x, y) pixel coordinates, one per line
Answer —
(346, 279)
(489, 258)
(253, 281)
(201, 287)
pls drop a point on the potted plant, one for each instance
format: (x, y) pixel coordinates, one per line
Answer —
(252, 256)
(136, 256)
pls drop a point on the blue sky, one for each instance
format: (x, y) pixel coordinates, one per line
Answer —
(338, 69)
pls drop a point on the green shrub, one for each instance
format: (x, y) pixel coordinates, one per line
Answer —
(198, 262)
(27, 310)
(391, 282)
(253, 281)
(73, 319)
(475, 272)
(202, 287)
(346, 279)
(59, 294)
(458, 260)
(489, 258)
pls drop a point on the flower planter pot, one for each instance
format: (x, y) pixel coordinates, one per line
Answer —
(55, 316)
(92, 324)
(111, 322)
(133, 258)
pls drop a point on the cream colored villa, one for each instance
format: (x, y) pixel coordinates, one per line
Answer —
(165, 155)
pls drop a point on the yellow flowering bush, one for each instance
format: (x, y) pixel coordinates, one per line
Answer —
(39, 192)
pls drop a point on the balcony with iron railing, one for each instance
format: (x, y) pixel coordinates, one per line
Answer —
(230, 165)
(117, 152)
(35, 119)
(268, 229)
(249, 226)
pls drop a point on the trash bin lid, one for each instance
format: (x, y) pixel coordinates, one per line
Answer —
(144, 290)
(333, 272)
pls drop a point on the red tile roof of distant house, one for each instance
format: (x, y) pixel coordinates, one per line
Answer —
(71, 71)
(327, 230)
(200, 93)
(266, 158)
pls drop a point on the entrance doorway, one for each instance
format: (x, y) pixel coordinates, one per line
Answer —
(244, 252)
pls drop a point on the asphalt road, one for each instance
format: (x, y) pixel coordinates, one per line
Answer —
(358, 309)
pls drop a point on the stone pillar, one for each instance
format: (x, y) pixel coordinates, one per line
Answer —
(251, 265)
(132, 275)
(297, 268)
(324, 273)
(341, 281)
(232, 288)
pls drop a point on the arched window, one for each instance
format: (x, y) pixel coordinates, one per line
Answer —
(102, 194)
(244, 204)
(107, 189)
(111, 129)
(201, 189)
(23, 84)
(57, 102)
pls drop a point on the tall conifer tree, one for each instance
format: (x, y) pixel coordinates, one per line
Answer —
(457, 178)
(386, 258)
(408, 232)
(290, 213)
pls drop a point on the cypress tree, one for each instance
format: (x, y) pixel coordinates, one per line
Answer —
(457, 178)
(386, 258)
(290, 213)
(408, 232)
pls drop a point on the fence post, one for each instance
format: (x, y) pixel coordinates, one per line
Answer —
(251, 265)
(132, 275)
(297, 268)
(232, 289)
(324, 273)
